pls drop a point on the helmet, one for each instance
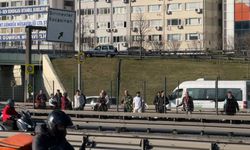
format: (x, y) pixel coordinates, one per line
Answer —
(58, 118)
(11, 102)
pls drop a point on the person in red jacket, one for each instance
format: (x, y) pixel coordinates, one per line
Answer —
(65, 103)
(9, 113)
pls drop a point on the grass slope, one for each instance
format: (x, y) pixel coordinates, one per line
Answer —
(98, 72)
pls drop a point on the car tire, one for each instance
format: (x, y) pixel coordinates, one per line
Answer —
(109, 55)
(88, 55)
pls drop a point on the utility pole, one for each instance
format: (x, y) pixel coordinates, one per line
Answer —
(79, 45)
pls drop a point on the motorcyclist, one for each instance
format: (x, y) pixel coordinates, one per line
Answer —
(53, 135)
(9, 114)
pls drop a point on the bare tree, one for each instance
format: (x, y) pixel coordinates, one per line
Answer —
(174, 45)
(141, 27)
(87, 38)
(156, 45)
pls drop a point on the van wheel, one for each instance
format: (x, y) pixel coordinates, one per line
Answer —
(88, 55)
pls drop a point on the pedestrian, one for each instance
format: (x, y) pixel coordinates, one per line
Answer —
(52, 135)
(65, 103)
(103, 101)
(163, 101)
(127, 102)
(79, 101)
(156, 100)
(84, 100)
(187, 102)
(40, 102)
(52, 102)
(137, 103)
(58, 97)
(231, 104)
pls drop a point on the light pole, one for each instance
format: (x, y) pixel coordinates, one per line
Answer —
(79, 46)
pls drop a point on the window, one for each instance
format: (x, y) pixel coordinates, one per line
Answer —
(87, 11)
(16, 3)
(154, 8)
(138, 9)
(102, 25)
(176, 94)
(105, 48)
(209, 93)
(119, 10)
(174, 22)
(174, 7)
(103, 11)
(4, 4)
(154, 23)
(174, 37)
(30, 2)
(193, 21)
(43, 2)
(119, 39)
(154, 37)
(119, 24)
(192, 36)
(193, 6)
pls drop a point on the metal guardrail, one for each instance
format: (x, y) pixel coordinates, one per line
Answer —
(115, 141)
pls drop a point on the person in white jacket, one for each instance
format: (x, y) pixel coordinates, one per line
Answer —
(79, 101)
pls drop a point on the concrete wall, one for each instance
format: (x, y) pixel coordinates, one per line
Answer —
(50, 76)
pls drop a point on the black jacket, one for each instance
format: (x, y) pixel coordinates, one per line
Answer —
(231, 105)
(45, 141)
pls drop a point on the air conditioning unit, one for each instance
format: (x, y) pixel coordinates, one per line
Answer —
(108, 1)
(180, 26)
(108, 30)
(135, 29)
(159, 28)
(198, 10)
(133, 0)
(125, 1)
(114, 30)
(169, 12)
(125, 44)
(92, 31)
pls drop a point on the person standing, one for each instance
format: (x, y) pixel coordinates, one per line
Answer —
(78, 101)
(156, 101)
(58, 97)
(52, 102)
(65, 103)
(137, 103)
(127, 102)
(231, 104)
(163, 101)
(187, 102)
(40, 102)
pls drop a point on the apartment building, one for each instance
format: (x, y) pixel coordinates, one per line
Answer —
(236, 24)
(16, 14)
(156, 24)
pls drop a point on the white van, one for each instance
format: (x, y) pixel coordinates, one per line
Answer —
(203, 93)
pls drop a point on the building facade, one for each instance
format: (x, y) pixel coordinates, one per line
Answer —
(16, 14)
(156, 24)
(236, 24)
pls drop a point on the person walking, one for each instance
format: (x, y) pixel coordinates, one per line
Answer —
(156, 101)
(231, 104)
(127, 102)
(52, 102)
(163, 101)
(40, 102)
(137, 103)
(58, 97)
(79, 101)
(65, 103)
(187, 102)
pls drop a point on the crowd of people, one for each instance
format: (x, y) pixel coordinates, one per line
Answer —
(129, 103)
